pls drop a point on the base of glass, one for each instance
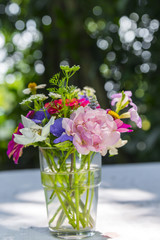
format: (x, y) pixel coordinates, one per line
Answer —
(71, 234)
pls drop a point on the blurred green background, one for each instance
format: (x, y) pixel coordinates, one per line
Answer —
(117, 45)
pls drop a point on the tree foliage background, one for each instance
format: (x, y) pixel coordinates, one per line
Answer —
(117, 45)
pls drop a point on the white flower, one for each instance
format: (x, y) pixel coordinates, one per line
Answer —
(77, 90)
(32, 87)
(89, 90)
(113, 149)
(25, 101)
(54, 95)
(39, 97)
(32, 132)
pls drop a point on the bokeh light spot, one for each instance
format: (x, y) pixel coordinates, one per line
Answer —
(103, 68)
(2, 40)
(111, 56)
(146, 125)
(13, 9)
(108, 86)
(39, 67)
(97, 10)
(129, 36)
(101, 24)
(10, 78)
(139, 93)
(134, 16)
(92, 26)
(102, 44)
(64, 63)
(154, 25)
(31, 25)
(37, 54)
(141, 146)
(46, 20)
(19, 25)
(125, 23)
(145, 68)
(146, 55)
(137, 45)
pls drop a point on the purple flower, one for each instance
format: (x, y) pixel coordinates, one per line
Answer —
(38, 116)
(58, 131)
(64, 137)
(84, 96)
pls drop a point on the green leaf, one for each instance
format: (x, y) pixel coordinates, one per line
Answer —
(64, 145)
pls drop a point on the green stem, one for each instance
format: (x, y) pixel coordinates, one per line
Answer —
(65, 210)
(47, 159)
(60, 219)
(52, 219)
(91, 221)
(71, 170)
(88, 184)
(76, 191)
(92, 195)
(51, 157)
(67, 155)
(69, 200)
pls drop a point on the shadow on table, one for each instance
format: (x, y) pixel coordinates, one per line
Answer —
(22, 200)
(136, 185)
(22, 204)
(35, 233)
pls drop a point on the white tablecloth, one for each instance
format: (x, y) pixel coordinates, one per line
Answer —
(129, 204)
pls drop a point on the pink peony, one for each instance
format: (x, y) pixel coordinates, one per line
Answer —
(92, 130)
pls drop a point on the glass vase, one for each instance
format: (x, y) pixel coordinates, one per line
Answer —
(70, 181)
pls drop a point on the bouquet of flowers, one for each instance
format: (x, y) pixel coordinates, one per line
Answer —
(70, 126)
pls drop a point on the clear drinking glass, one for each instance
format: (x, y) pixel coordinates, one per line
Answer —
(70, 181)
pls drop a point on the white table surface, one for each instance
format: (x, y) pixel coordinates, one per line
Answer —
(129, 204)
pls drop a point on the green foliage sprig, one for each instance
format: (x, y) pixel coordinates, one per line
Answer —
(60, 82)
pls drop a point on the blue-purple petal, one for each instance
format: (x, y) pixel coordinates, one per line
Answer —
(40, 115)
(37, 121)
(63, 138)
(56, 129)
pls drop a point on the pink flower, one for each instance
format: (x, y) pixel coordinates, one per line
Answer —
(118, 96)
(83, 102)
(132, 112)
(134, 116)
(15, 149)
(92, 130)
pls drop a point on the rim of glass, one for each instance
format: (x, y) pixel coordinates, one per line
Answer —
(54, 148)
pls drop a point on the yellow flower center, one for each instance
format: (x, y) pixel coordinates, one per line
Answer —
(32, 85)
(113, 114)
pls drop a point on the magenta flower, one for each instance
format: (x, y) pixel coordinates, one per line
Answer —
(92, 130)
(122, 127)
(15, 149)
